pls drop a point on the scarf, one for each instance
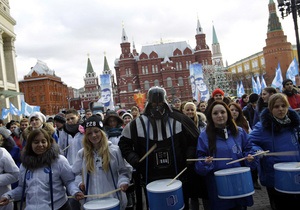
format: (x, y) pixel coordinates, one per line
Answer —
(113, 132)
(72, 129)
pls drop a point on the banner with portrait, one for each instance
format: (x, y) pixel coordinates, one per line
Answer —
(107, 98)
(200, 90)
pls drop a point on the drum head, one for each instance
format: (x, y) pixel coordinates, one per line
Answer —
(104, 203)
(288, 166)
(230, 171)
(161, 186)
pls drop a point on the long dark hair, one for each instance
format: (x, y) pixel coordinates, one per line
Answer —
(33, 134)
(240, 120)
(211, 130)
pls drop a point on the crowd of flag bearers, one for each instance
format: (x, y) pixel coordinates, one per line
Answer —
(218, 151)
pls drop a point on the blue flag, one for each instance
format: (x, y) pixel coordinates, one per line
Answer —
(237, 89)
(27, 110)
(5, 113)
(258, 85)
(254, 86)
(263, 83)
(241, 90)
(292, 71)
(277, 81)
(13, 110)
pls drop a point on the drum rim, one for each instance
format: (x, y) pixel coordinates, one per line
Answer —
(288, 192)
(167, 188)
(97, 207)
(231, 171)
(276, 166)
(237, 196)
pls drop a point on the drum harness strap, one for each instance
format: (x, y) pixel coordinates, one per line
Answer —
(147, 147)
(66, 151)
(49, 170)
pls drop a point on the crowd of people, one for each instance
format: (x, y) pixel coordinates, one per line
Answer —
(65, 162)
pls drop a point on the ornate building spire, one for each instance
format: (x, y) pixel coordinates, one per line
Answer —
(124, 36)
(217, 59)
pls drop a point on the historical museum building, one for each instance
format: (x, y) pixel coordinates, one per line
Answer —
(164, 64)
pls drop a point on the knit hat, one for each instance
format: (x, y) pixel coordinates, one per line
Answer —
(286, 81)
(38, 115)
(93, 121)
(4, 132)
(218, 91)
(127, 114)
(60, 118)
(110, 114)
(253, 97)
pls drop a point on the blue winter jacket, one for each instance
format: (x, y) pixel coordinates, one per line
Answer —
(269, 134)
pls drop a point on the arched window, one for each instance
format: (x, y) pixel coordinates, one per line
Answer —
(156, 82)
(169, 82)
(146, 85)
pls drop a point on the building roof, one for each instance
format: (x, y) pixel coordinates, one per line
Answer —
(41, 68)
(165, 49)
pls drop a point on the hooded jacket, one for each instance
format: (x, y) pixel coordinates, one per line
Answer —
(37, 186)
(269, 134)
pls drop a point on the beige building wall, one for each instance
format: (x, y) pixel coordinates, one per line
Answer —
(9, 87)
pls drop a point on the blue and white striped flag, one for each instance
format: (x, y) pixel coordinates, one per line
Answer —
(258, 85)
(4, 113)
(292, 71)
(263, 83)
(254, 86)
(277, 81)
(13, 110)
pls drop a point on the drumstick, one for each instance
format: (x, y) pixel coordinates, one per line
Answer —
(103, 194)
(287, 153)
(66, 147)
(176, 176)
(244, 158)
(149, 151)
(205, 159)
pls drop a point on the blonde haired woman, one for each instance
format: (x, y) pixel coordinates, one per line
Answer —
(101, 163)
(199, 119)
(197, 186)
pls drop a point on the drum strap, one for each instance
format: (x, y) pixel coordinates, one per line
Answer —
(51, 188)
(87, 184)
(66, 151)
(23, 190)
(112, 176)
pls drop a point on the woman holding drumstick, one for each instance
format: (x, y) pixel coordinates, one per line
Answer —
(277, 131)
(222, 138)
(99, 166)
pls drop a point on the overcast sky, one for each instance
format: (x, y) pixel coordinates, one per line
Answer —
(63, 32)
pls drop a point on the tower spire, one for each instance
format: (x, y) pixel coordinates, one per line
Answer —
(124, 36)
(199, 28)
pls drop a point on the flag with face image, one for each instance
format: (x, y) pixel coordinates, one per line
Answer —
(200, 90)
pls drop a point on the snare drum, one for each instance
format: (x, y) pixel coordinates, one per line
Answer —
(287, 177)
(102, 204)
(234, 182)
(161, 196)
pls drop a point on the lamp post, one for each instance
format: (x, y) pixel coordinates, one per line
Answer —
(287, 7)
